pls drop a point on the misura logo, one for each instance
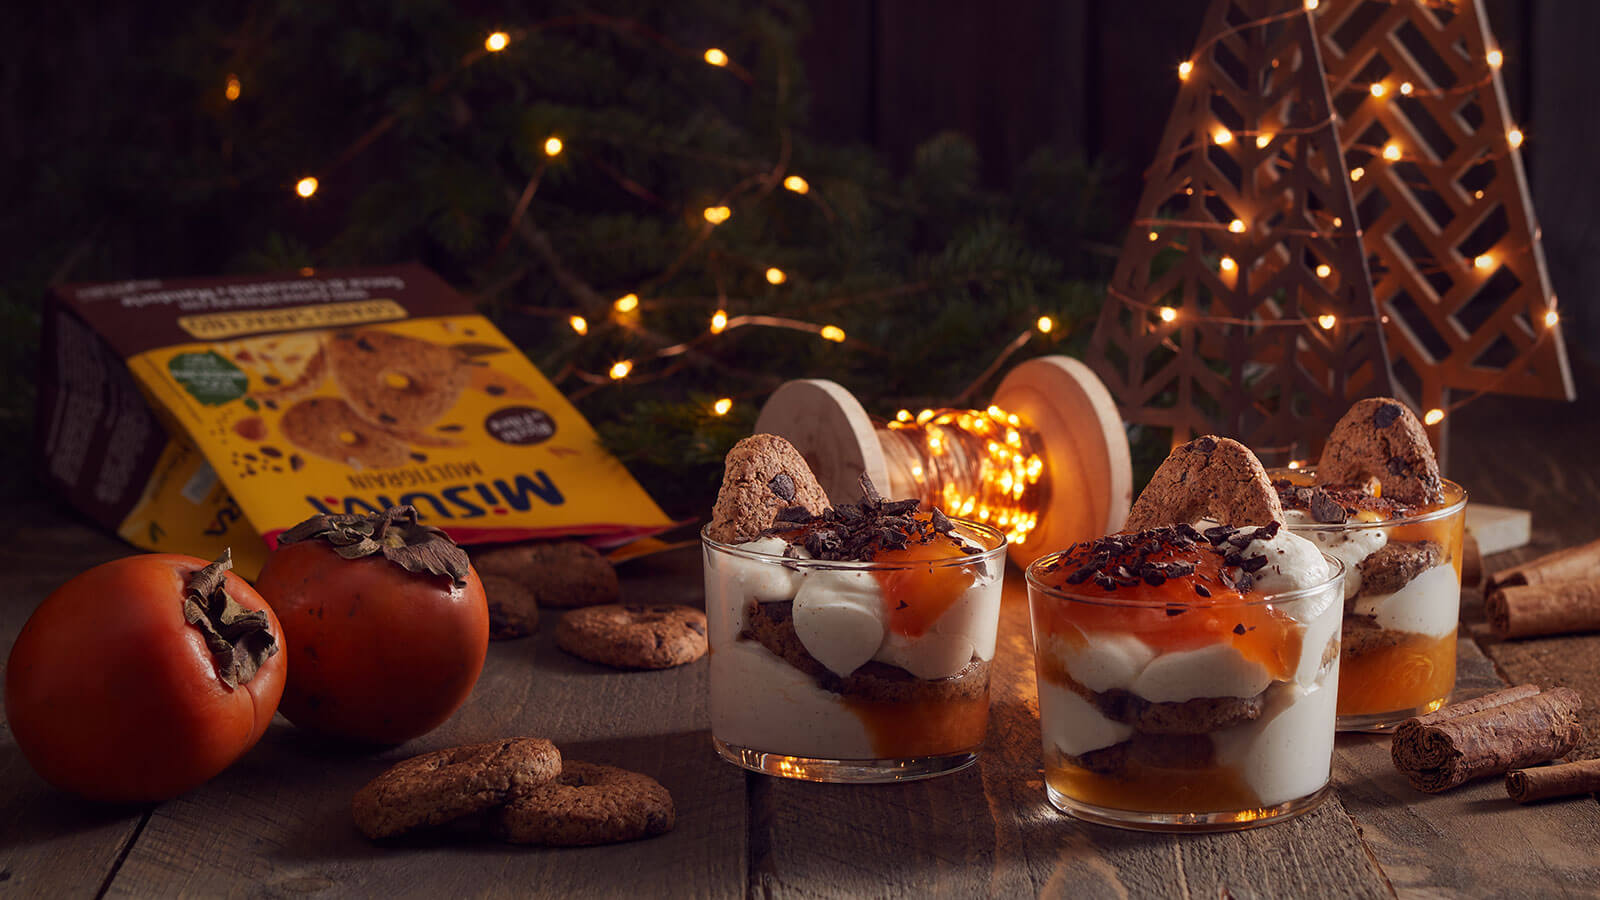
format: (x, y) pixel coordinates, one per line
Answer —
(457, 501)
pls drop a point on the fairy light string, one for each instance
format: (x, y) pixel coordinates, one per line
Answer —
(987, 465)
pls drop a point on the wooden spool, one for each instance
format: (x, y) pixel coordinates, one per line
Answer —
(1090, 474)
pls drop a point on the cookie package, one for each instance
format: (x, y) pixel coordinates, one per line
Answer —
(192, 415)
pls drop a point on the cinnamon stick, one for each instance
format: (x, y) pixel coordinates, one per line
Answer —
(1490, 735)
(1579, 563)
(1548, 782)
(1557, 607)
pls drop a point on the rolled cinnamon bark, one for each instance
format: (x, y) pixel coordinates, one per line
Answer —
(1509, 729)
(1548, 782)
(1558, 607)
(1572, 564)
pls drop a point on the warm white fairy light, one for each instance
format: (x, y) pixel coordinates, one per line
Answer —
(722, 406)
(1227, 264)
(1552, 319)
(1045, 324)
(1236, 226)
(775, 276)
(620, 369)
(832, 333)
(1154, 237)
(233, 88)
(1391, 151)
(797, 184)
(716, 215)
(1167, 313)
(1222, 136)
(496, 42)
(904, 415)
(719, 321)
(1495, 58)
(1483, 262)
(1378, 90)
(1406, 88)
(306, 186)
(716, 57)
(627, 303)
(1312, 5)
(1184, 68)
(1324, 270)
(1357, 173)
(1433, 416)
(1514, 136)
(1327, 321)
(552, 146)
(1262, 140)
(579, 324)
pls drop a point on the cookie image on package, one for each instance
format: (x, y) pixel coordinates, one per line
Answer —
(402, 384)
(439, 787)
(588, 804)
(763, 475)
(561, 575)
(1210, 477)
(332, 429)
(634, 637)
(1381, 438)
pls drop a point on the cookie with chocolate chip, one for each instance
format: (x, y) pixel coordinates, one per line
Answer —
(587, 804)
(763, 475)
(1209, 477)
(1381, 438)
(634, 636)
(446, 785)
(513, 611)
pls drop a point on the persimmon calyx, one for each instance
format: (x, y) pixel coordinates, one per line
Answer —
(239, 638)
(395, 533)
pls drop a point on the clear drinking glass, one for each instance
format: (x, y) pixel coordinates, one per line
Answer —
(1184, 714)
(1402, 605)
(852, 671)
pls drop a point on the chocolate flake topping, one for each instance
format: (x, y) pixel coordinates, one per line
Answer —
(239, 638)
(1239, 628)
(1124, 560)
(395, 533)
(860, 531)
(1333, 504)
(782, 485)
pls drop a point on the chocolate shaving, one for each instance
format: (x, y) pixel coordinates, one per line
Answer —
(1325, 509)
(1202, 590)
(858, 532)
(1239, 628)
(240, 639)
(395, 533)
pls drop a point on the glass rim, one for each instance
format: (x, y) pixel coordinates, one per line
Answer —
(1336, 568)
(855, 565)
(1434, 515)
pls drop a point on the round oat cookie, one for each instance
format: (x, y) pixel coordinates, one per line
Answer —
(1381, 438)
(763, 475)
(588, 804)
(1210, 477)
(631, 636)
(439, 787)
(559, 575)
(513, 611)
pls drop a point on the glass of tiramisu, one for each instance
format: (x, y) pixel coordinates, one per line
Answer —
(1376, 501)
(855, 644)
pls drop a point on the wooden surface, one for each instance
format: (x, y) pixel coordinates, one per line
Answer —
(278, 823)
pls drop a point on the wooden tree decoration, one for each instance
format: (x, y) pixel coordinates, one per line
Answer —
(1458, 270)
(1241, 302)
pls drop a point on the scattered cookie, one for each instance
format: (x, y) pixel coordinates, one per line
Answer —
(513, 611)
(1381, 438)
(436, 788)
(398, 382)
(629, 636)
(588, 804)
(1210, 477)
(560, 575)
(764, 474)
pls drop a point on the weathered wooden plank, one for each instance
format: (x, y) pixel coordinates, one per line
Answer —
(989, 830)
(279, 821)
(51, 844)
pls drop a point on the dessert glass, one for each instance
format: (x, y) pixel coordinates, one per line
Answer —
(915, 707)
(1398, 656)
(1144, 705)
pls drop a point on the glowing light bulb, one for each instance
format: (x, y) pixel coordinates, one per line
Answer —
(1154, 237)
(1552, 319)
(722, 406)
(1483, 261)
(719, 321)
(924, 416)
(496, 42)
(1406, 88)
(1184, 68)
(1167, 313)
(1227, 264)
(776, 276)
(306, 186)
(626, 303)
(1294, 463)
(621, 369)
(1391, 151)
(1433, 416)
(1327, 321)
(716, 215)
(1312, 4)
(1357, 173)
(797, 184)
(716, 57)
(1477, 195)
(1495, 58)
(1236, 226)
(903, 415)
(552, 146)
(1514, 136)
(1045, 324)
(1378, 90)
(1324, 270)
(579, 324)
(1338, 222)
(832, 333)
(1262, 140)
(1222, 136)
(233, 88)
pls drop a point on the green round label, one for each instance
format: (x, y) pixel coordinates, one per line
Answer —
(208, 377)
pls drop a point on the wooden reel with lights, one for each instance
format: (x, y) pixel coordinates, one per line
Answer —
(1047, 463)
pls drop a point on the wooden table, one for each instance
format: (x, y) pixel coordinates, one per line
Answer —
(278, 822)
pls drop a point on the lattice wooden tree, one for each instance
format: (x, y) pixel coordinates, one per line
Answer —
(1241, 302)
(1448, 226)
